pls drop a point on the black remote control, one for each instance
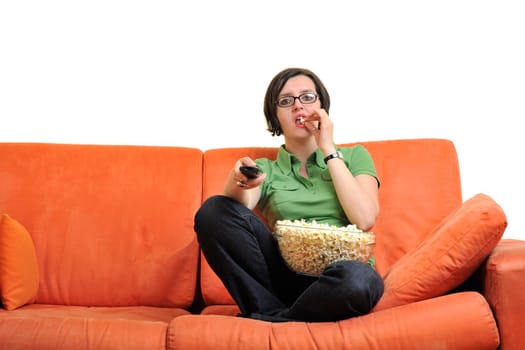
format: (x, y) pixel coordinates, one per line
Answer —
(251, 172)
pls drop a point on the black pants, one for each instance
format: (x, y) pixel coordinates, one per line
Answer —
(243, 253)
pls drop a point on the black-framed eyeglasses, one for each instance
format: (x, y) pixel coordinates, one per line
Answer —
(306, 98)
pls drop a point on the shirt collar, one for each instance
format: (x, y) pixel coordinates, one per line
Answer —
(319, 158)
(285, 159)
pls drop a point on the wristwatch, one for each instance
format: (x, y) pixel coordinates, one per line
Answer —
(337, 154)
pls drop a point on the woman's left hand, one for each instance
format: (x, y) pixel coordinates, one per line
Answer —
(322, 128)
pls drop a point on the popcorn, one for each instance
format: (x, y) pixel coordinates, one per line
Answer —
(307, 247)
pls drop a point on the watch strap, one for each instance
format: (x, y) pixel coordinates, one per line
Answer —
(337, 154)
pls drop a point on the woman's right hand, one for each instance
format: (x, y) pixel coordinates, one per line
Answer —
(240, 187)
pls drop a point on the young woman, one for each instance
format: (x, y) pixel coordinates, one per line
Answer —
(311, 179)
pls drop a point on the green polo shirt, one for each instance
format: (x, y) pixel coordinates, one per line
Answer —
(285, 194)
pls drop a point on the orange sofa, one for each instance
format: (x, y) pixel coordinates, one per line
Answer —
(97, 251)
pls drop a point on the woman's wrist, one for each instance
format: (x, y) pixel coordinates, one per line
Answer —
(329, 150)
(336, 154)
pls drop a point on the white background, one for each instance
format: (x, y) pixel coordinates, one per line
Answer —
(194, 73)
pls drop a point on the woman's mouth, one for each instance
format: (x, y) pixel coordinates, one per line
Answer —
(299, 120)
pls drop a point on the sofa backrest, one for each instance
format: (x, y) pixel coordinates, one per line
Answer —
(420, 185)
(112, 225)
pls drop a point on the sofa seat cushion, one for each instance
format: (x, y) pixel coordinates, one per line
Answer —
(19, 274)
(448, 256)
(227, 310)
(76, 327)
(457, 321)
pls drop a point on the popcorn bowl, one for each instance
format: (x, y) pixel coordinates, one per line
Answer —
(308, 247)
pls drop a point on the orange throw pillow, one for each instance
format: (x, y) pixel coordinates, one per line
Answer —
(19, 276)
(448, 256)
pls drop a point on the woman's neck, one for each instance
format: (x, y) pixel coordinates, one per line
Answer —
(301, 148)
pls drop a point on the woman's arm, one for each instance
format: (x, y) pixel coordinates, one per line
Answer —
(358, 195)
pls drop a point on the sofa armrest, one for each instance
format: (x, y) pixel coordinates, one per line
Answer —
(503, 285)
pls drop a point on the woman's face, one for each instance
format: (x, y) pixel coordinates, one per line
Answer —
(290, 117)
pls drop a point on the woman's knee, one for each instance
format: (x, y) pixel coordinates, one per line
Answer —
(362, 284)
(214, 207)
(209, 211)
(218, 213)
